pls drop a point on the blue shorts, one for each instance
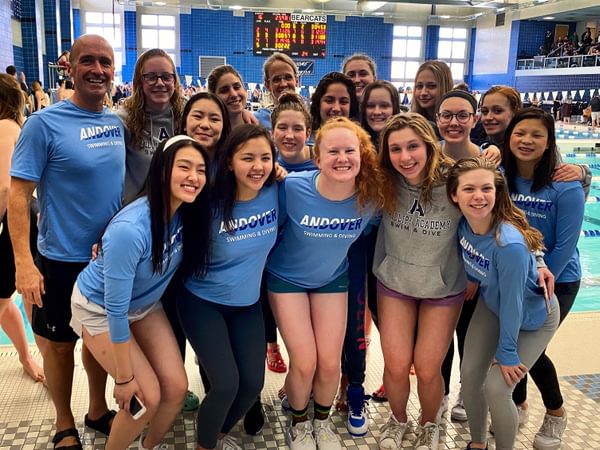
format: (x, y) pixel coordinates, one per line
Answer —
(280, 286)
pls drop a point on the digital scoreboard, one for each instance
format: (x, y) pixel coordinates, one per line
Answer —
(300, 35)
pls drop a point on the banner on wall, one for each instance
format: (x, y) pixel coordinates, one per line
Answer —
(305, 67)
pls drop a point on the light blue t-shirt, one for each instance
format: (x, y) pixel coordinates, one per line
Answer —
(300, 167)
(77, 158)
(557, 212)
(264, 117)
(122, 279)
(508, 278)
(316, 235)
(238, 258)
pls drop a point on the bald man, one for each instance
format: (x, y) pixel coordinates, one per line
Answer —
(74, 154)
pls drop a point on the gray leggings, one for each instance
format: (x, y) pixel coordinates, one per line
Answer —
(483, 386)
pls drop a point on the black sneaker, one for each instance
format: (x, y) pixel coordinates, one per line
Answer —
(254, 420)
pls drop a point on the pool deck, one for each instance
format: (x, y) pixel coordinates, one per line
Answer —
(26, 413)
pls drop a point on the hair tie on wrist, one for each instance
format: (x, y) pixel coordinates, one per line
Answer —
(124, 382)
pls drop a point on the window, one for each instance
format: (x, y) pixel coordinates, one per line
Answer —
(108, 25)
(452, 48)
(159, 31)
(406, 53)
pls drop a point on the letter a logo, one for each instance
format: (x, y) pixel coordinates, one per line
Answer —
(163, 133)
(416, 207)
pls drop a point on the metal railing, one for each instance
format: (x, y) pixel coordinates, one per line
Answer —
(558, 62)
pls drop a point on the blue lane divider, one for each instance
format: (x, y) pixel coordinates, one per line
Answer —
(590, 233)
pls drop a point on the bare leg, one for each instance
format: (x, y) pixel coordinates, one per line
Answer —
(328, 315)
(397, 322)
(12, 324)
(156, 339)
(58, 367)
(96, 384)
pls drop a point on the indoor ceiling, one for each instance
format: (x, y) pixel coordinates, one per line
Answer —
(393, 9)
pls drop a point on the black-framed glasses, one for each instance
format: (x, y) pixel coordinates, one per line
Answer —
(152, 78)
(461, 116)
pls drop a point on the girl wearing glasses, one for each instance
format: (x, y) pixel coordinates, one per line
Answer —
(421, 281)
(455, 120)
(151, 114)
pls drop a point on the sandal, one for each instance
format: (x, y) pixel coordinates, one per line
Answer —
(275, 362)
(191, 403)
(103, 424)
(69, 432)
(379, 395)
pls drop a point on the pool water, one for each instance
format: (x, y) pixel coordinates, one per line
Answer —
(588, 298)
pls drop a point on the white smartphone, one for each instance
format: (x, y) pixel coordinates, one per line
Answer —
(136, 408)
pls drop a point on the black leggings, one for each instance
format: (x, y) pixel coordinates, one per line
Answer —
(461, 332)
(230, 344)
(543, 371)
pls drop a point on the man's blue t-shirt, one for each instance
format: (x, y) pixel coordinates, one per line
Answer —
(238, 258)
(77, 158)
(316, 234)
(122, 278)
(557, 212)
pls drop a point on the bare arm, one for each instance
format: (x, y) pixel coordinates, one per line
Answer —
(29, 281)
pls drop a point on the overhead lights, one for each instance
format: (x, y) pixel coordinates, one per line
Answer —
(378, 13)
(500, 10)
(444, 17)
(308, 11)
(159, 4)
(541, 1)
(236, 7)
(548, 18)
(368, 6)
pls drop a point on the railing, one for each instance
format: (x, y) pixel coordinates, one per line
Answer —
(559, 62)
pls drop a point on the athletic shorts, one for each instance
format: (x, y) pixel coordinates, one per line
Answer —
(595, 115)
(444, 301)
(52, 320)
(7, 258)
(85, 313)
(280, 286)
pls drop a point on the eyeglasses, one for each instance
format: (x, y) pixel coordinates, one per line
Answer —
(461, 116)
(282, 78)
(152, 78)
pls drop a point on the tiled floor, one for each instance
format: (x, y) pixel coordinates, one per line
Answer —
(26, 413)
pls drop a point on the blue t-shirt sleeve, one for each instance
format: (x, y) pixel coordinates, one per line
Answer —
(282, 204)
(512, 265)
(31, 151)
(122, 247)
(569, 217)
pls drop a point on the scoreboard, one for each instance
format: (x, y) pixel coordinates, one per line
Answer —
(301, 35)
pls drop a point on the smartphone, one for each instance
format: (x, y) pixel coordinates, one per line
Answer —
(136, 408)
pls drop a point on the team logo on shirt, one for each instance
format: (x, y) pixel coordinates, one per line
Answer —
(98, 132)
(245, 223)
(416, 208)
(326, 223)
(477, 261)
(533, 206)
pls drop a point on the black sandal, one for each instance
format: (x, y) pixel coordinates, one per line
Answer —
(69, 432)
(103, 424)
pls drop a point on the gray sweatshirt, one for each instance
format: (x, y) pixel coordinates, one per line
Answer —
(159, 126)
(417, 250)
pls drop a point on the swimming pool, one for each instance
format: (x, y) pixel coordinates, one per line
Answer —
(588, 298)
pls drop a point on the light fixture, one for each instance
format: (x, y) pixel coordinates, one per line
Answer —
(159, 3)
(236, 7)
(500, 10)
(308, 11)
(541, 1)
(548, 18)
(378, 13)
(368, 6)
(444, 17)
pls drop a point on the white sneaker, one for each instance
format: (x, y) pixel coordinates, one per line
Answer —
(227, 442)
(392, 434)
(550, 434)
(161, 446)
(523, 417)
(428, 437)
(300, 436)
(459, 412)
(325, 435)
